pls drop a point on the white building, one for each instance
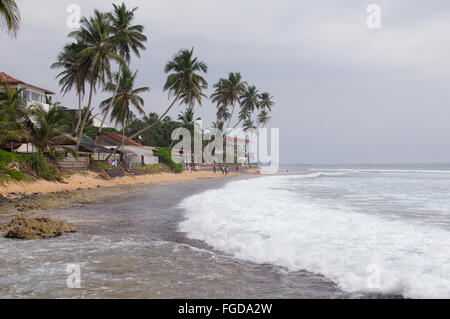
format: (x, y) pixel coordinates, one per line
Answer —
(31, 93)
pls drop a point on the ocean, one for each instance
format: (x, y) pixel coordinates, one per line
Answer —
(371, 229)
(379, 231)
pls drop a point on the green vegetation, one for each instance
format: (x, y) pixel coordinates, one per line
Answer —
(92, 131)
(9, 16)
(26, 166)
(125, 96)
(151, 169)
(40, 165)
(165, 156)
(103, 166)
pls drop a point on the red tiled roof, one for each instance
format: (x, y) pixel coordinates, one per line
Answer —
(10, 80)
(118, 138)
(240, 140)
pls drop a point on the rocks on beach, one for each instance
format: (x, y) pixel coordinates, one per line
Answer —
(37, 228)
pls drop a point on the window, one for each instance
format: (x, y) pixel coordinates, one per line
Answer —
(26, 94)
(36, 97)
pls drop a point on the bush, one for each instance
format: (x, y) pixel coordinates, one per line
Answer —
(151, 169)
(16, 175)
(5, 158)
(165, 156)
(40, 165)
(103, 165)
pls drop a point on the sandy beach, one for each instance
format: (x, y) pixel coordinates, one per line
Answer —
(91, 180)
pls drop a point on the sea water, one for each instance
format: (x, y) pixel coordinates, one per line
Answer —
(370, 229)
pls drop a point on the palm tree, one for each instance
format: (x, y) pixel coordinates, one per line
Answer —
(187, 117)
(248, 125)
(13, 114)
(227, 93)
(263, 118)
(125, 97)
(128, 38)
(48, 127)
(9, 16)
(71, 77)
(250, 99)
(95, 59)
(266, 101)
(184, 82)
(249, 102)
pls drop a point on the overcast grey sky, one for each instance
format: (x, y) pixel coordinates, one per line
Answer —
(344, 93)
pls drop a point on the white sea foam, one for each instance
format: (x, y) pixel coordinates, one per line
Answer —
(366, 170)
(263, 221)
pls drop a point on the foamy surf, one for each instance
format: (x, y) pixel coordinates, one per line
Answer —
(267, 220)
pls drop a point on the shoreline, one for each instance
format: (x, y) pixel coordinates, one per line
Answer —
(90, 180)
(25, 199)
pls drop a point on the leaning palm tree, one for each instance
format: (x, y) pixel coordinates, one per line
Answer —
(128, 38)
(126, 96)
(227, 93)
(95, 59)
(48, 127)
(184, 82)
(9, 17)
(70, 76)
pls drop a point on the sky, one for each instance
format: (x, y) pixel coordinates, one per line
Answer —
(344, 93)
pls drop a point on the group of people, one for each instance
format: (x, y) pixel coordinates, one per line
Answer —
(224, 169)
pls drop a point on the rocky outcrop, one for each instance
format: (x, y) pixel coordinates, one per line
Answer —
(37, 228)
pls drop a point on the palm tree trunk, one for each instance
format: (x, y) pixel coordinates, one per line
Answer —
(237, 123)
(79, 112)
(149, 126)
(85, 116)
(231, 116)
(123, 134)
(110, 105)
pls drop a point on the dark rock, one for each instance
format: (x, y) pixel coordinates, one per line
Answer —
(37, 228)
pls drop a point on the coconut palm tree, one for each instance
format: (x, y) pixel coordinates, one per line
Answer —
(249, 102)
(71, 77)
(227, 93)
(95, 59)
(186, 117)
(263, 118)
(48, 127)
(184, 82)
(126, 96)
(128, 39)
(250, 99)
(9, 16)
(13, 114)
(266, 101)
(248, 125)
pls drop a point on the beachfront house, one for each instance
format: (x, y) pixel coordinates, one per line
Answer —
(241, 148)
(33, 95)
(134, 153)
